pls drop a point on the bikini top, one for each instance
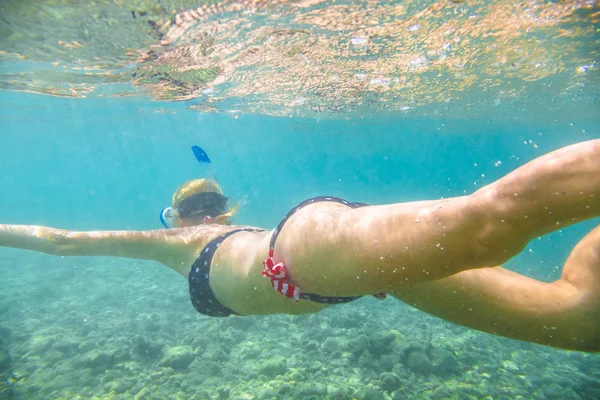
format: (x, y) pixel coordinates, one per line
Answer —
(202, 296)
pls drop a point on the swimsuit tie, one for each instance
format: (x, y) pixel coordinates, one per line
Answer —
(278, 275)
(278, 272)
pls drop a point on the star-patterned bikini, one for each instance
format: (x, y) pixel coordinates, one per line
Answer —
(202, 296)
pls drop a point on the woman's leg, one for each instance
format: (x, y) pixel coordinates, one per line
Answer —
(555, 190)
(564, 313)
(333, 250)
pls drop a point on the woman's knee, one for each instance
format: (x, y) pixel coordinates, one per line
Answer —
(498, 236)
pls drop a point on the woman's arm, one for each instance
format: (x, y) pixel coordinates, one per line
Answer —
(169, 247)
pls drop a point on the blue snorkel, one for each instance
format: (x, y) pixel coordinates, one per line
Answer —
(167, 213)
(201, 155)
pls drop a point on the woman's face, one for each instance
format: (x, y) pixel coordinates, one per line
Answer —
(201, 208)
(198, 209)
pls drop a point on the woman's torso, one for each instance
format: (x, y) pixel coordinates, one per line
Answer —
(236, 275)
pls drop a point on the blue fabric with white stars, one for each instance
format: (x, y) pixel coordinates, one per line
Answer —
(202, 296)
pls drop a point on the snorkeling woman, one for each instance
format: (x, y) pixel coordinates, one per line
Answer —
(440, 256)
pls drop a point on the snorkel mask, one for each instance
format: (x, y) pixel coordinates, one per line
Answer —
(204, 206)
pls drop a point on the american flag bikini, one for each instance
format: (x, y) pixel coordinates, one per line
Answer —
(278, 273)
(202, 296)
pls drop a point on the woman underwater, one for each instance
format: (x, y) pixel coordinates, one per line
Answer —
(440, 256)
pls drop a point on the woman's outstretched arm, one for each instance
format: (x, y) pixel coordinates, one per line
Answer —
(169, 247)
(564, 313)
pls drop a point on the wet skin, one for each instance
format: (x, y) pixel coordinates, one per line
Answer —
(439, 256)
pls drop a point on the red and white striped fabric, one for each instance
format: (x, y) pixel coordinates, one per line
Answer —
(278, 275)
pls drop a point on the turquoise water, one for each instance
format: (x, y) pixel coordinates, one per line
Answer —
(376, 102)
(81, 328)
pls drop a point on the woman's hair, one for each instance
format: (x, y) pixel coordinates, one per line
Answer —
(193, 187)
(196, 186)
